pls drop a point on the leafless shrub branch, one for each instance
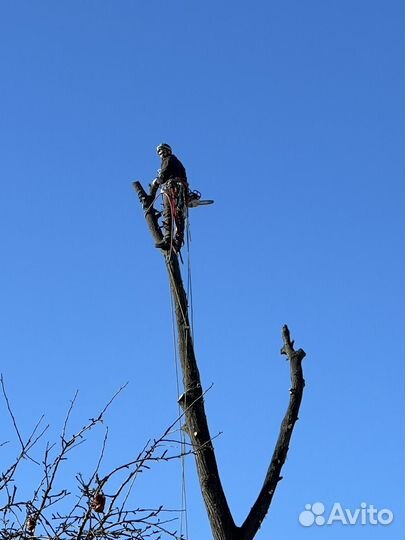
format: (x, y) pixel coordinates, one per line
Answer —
(99, 506)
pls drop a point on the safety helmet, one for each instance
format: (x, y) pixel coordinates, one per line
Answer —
(163, 146)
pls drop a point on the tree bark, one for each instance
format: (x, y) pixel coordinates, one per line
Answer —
(260, 508)
(192, 401)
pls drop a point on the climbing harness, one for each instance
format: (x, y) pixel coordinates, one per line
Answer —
(178, 198)
(175, 192)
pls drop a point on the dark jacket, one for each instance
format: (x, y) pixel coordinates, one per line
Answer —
(171, 168)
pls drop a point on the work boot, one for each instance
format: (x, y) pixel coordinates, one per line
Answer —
(164, 243)
(178, 242)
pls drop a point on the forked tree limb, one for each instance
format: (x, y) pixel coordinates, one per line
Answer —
(220, 517)
(260, 508)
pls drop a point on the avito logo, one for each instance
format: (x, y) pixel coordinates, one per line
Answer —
(366, 514)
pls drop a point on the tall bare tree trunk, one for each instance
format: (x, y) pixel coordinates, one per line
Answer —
(192, 401)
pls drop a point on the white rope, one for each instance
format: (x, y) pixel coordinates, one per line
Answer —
(184, 513)
(189, 280)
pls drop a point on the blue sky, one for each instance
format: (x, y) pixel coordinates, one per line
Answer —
(290, 115)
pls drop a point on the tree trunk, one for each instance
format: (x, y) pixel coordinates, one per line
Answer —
(192, 402)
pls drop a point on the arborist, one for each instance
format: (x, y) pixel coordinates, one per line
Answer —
(172, 180)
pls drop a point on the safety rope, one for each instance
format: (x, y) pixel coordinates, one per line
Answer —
(189, 278)
(173, 291)
(191, 330)
(184, 513)
(152, 203)
(188, 318)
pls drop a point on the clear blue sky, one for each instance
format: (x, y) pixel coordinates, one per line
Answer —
(290, 115)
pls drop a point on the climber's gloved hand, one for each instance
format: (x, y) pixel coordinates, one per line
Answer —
(154, 186)
(155, 183)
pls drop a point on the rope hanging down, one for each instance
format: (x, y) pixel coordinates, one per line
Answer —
(184, 510)
(178, 199)
(184, 514)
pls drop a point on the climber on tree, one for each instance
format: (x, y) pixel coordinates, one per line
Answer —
(172, 179)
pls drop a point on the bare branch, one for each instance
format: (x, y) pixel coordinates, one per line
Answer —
(10, 411)
(89, 516)
(263, 501)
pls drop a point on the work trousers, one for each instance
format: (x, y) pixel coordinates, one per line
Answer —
(174, 209)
